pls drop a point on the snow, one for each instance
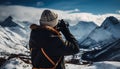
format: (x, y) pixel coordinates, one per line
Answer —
(13, 40)
(96, 65)
(16, 63)
(112, 25)
(16, 32)
(100, 35)
(108, 32)
(82, 29)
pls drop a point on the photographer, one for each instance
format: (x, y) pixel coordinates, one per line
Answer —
(46, 44)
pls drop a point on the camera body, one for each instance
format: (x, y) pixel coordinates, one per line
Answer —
(62, 24)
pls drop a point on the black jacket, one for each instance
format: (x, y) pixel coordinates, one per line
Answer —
(53, 44)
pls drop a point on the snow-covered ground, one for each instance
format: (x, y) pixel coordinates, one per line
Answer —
(16, 63)
(14, 40)
(96, 65)
(10, 36)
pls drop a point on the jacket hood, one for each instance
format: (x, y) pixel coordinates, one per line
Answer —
(46, 27)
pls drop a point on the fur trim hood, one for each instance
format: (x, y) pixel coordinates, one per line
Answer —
(49, 28)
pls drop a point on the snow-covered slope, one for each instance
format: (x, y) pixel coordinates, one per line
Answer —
(8, 22)
(13, 37)
(96, 65)
(16, 63)
(106, 33)
(107, 52)
(98, 37)
(112, 25)
(82, 29)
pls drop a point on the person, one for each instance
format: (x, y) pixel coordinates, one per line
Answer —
(46, 44)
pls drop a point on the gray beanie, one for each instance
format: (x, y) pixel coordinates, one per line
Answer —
(49, 18)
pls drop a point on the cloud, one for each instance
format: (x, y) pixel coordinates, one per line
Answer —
(73, 11)
(39, 3)
(31, 14)
(77, 10)
(119, 11)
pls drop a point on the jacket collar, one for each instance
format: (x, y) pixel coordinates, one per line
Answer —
(46, 27)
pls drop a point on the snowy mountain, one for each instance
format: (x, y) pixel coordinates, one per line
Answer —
(104, 42)
(112, 25)
(105, 34)
(13, 37)
(109, 52)
(82, 29)
(98, 37)
(13, 40)
(8, 22)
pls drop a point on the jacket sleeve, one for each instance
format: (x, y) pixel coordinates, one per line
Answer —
(71, 45)
(61, 48)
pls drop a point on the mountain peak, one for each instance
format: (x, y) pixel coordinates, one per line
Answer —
(86, 23)
(110, 21)
(8, 22)
(113, 19)
(9, 18)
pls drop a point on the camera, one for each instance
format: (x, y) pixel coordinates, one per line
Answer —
(62, 24)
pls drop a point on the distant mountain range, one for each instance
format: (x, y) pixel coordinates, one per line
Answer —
(87, 33)
(90, 35)
(8, 22)
(102, 42)
(14, 36)
(82, 29)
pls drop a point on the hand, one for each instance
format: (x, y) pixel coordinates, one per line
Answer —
(62, 25)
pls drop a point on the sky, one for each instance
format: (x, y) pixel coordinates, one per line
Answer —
(73, 11)
(88, 6)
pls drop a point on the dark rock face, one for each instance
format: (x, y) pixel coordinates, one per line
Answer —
(109, 53)
(8, 22)
(110, 21)
(113, 20)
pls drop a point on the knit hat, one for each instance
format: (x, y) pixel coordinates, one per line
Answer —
(49, 18)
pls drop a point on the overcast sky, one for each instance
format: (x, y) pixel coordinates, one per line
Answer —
(89, 6)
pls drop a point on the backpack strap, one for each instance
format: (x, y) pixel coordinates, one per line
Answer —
(50, 60)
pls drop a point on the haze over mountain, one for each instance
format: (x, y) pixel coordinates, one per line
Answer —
(14, 38)
(106, 33)
(87, 28)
